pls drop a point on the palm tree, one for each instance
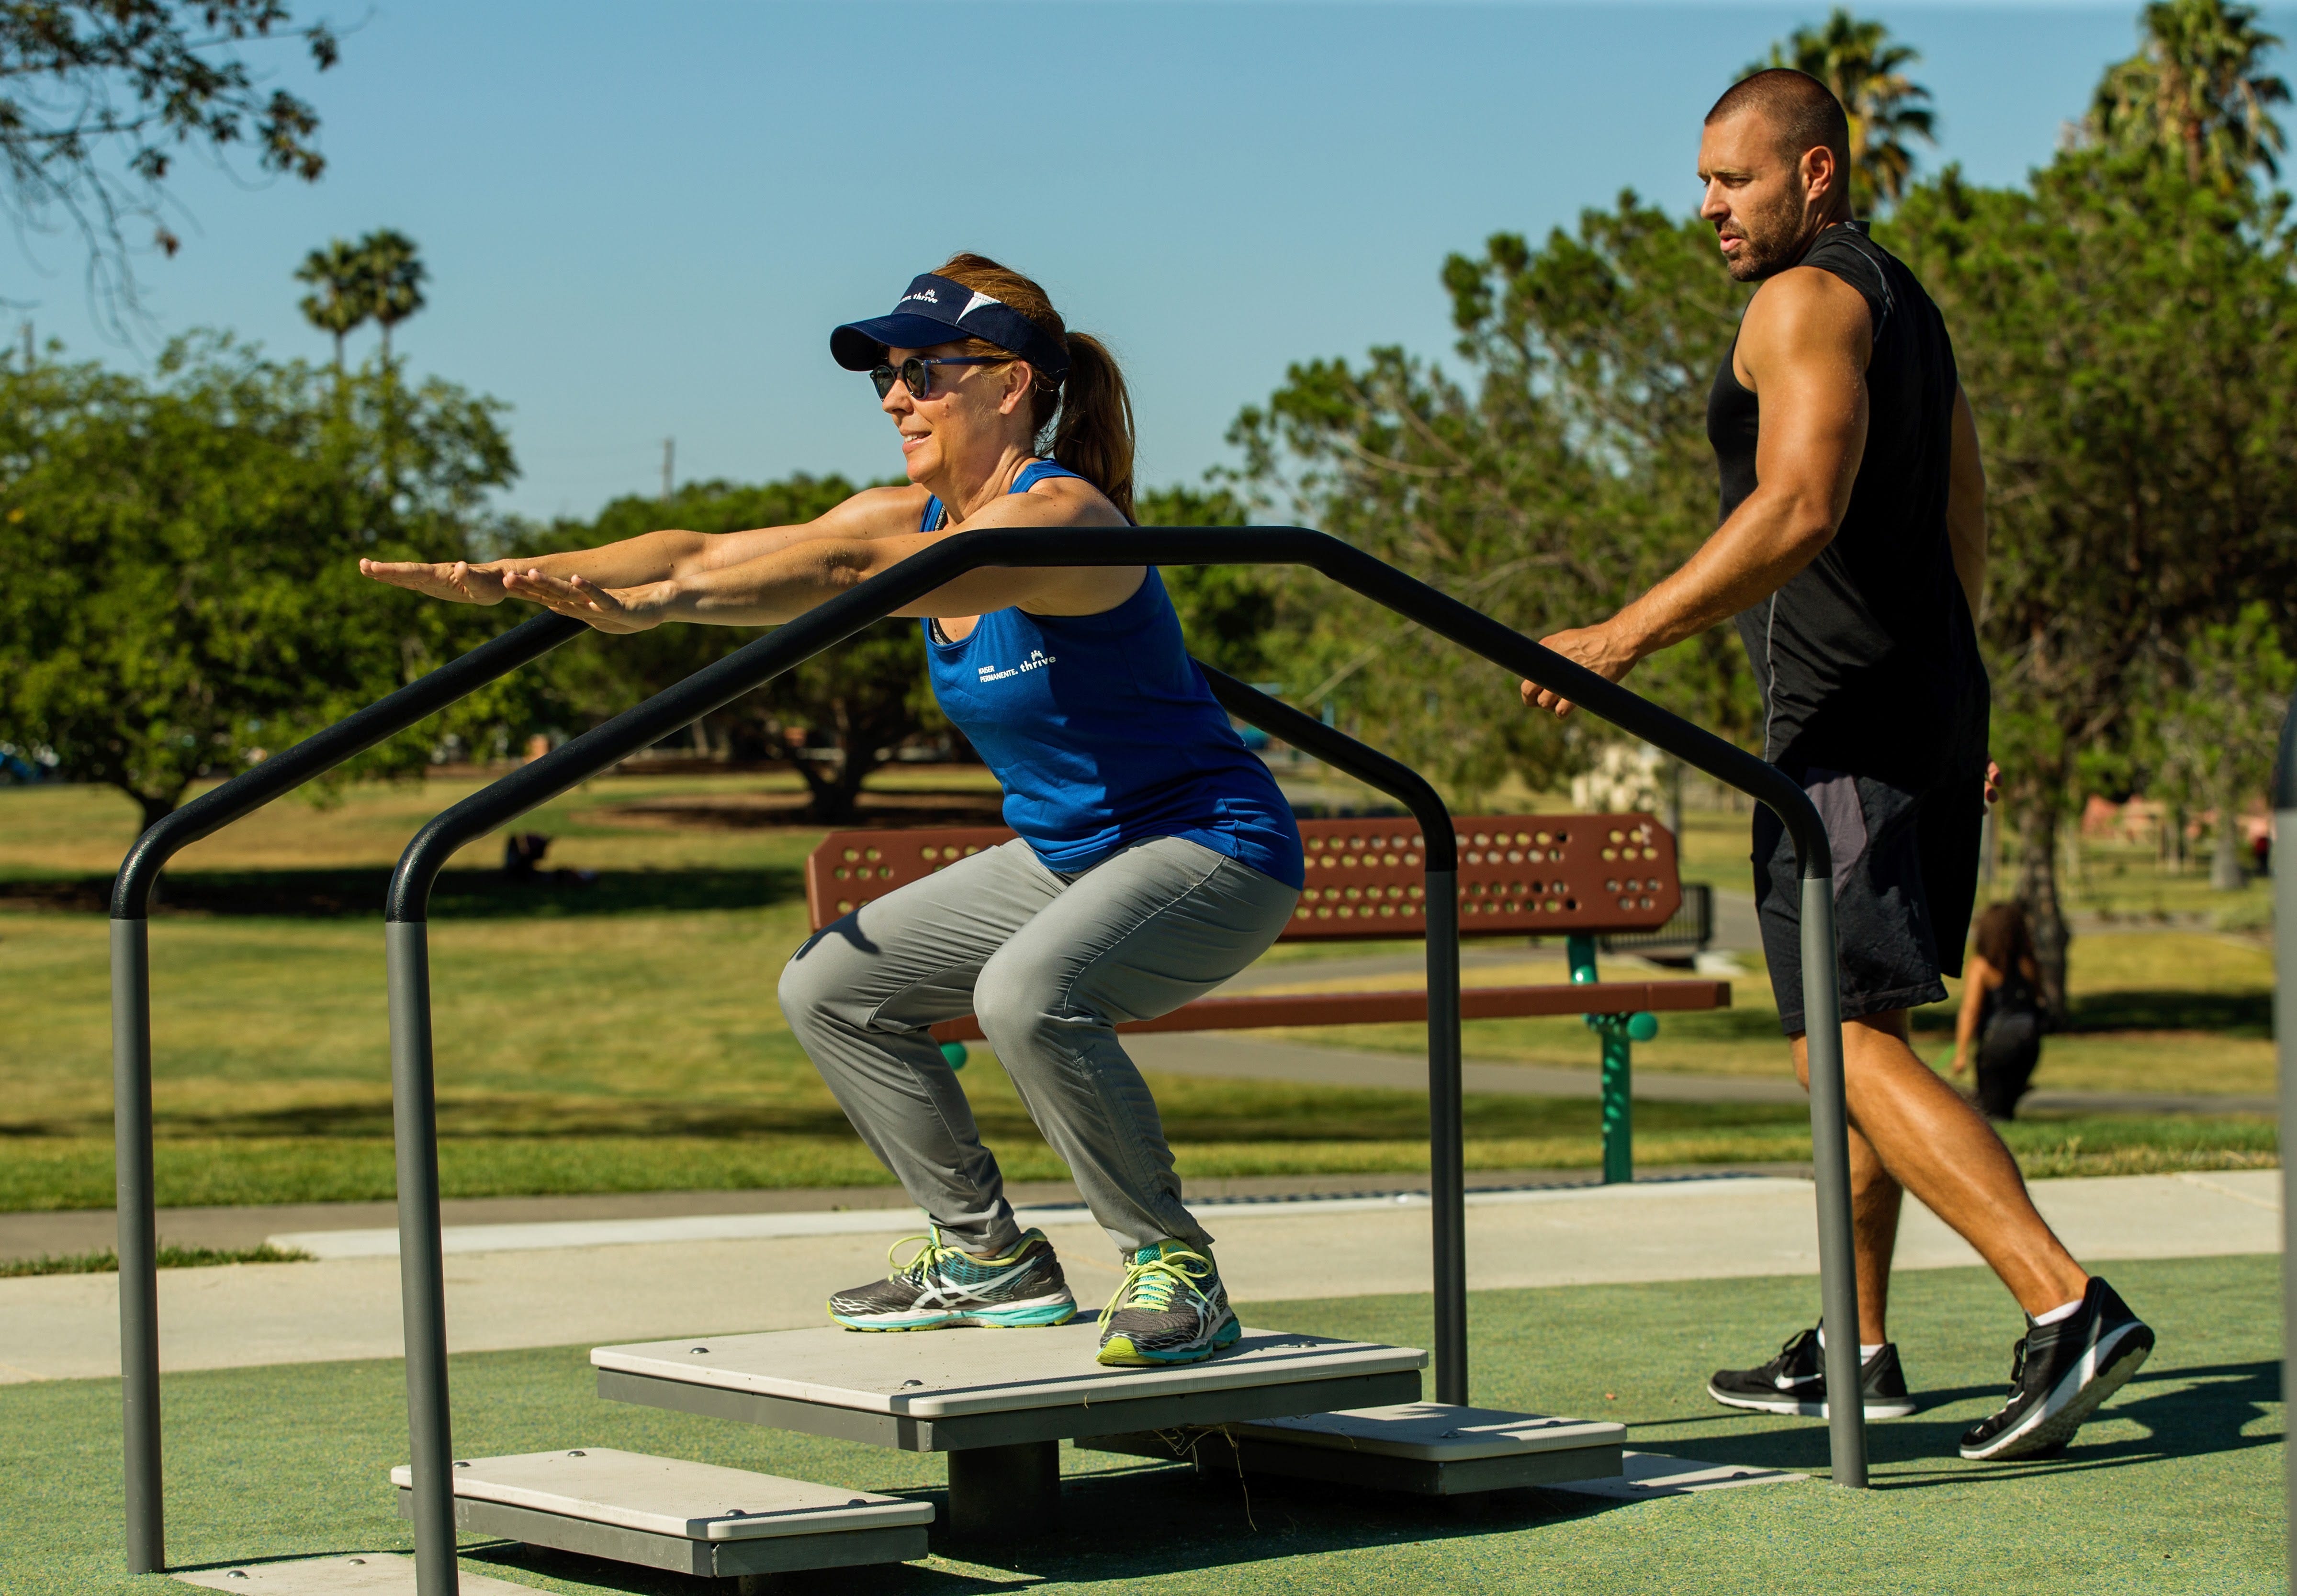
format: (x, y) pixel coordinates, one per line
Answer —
(1854, 59)
(338, 301)
(2196, 87)
(394, 275)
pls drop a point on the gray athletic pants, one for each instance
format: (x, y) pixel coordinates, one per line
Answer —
(1049, 963)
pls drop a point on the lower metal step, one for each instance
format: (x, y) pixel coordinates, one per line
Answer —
(1428, 1449)
(688, 1518)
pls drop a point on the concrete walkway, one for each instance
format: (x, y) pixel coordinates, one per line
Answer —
(633, 1279)
(1227, 1055)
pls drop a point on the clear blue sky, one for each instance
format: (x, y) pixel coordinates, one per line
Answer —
(642, 220)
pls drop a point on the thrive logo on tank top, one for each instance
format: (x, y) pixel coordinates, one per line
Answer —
(1103, 734)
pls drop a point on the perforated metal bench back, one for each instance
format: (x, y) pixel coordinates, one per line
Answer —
(1519, 874)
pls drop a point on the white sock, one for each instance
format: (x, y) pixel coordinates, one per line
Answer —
(2062, 1311)
(1865, 1353)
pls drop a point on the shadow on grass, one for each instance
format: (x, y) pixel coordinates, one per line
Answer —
(2196, 1411)
(2247, 1016)
(460, 894)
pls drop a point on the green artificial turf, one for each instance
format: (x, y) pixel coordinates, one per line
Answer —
(2176, 1487)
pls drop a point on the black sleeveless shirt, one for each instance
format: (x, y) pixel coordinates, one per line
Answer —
(1867, 657)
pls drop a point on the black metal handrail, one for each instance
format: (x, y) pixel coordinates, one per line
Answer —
(422, 1272)
(1447, 1182)
(136, 1197)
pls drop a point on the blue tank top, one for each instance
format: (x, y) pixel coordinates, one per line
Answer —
(1103, 734)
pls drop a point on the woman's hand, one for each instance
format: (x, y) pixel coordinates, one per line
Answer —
(1961, 1061)
(605, 609)
(458, 581)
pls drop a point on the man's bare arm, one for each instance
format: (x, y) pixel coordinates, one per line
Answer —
(1965, 505)
(1803, 348)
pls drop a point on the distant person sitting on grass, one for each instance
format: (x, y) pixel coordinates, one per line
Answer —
(1155, 856)
(2003, 1016)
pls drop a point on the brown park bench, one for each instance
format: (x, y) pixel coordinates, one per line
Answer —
(1572, 876)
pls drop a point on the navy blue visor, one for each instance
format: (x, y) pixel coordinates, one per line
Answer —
(935, 311)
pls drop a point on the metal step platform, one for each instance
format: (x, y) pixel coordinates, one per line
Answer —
(998, 1402)
(354, 1573)
(688, 1518)
(1429, 1449)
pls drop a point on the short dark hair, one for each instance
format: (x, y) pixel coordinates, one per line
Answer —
(1803, 109)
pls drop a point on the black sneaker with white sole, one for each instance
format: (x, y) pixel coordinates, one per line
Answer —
(1795, 1382)
(2059, 1374)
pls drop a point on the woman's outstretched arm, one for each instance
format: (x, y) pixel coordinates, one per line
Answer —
(658, 556)
(781, 585)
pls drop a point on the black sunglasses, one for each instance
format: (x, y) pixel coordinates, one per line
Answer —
(916, 372)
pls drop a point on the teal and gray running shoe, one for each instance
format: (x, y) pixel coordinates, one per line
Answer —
(940, 1286)
(1172, 1309)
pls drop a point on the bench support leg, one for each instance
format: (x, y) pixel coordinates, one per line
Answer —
(1008, 1491)
(1619, 1106)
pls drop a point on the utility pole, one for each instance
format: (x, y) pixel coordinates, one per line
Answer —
(669, 459)
(28, 345)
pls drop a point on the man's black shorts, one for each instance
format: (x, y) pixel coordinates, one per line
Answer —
(1905, 879)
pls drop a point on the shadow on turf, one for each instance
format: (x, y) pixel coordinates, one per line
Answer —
(2192, 1412)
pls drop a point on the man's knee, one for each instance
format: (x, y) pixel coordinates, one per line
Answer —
(1868, 1040)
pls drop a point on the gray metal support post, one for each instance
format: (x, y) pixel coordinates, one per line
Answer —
(139, 1244)
(2284, 1036)
(1446, 1137)
(1830, 1158)
(422, 1266)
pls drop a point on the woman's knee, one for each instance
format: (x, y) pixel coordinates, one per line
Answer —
(809, 985)
(1014, 1002)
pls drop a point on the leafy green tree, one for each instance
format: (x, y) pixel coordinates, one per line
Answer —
(834, 720)
(338, 302)
(1566, 474)
(1854, 57)
(186, 595)
(2213, 729)
(1227, 611)
(391, 275)
(2123, 333)
(97, 98)
(2197, 92)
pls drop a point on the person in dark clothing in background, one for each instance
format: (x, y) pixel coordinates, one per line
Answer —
(1852, 555)
(2003, 1016)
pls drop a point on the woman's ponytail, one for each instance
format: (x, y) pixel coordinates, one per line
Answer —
(1093, 436)
(1090, 412)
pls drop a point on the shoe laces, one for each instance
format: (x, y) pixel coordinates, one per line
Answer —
(2017, 1365)
(931, 1250)
(1152, 1285)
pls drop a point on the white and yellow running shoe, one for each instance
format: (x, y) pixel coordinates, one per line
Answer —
(940, 1286)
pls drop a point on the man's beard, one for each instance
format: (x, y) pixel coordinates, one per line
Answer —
(1767, 245)
(1757, 259)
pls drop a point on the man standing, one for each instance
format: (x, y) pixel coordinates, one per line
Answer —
(1852, 553)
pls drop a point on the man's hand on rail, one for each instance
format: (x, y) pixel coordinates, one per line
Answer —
(605, 609)
(1600, 648)
(458, 581)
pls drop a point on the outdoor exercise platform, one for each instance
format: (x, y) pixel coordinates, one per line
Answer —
(1001, 1432)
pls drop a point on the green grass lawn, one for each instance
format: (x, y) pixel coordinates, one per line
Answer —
(2176, 1487)
(622, 1035)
